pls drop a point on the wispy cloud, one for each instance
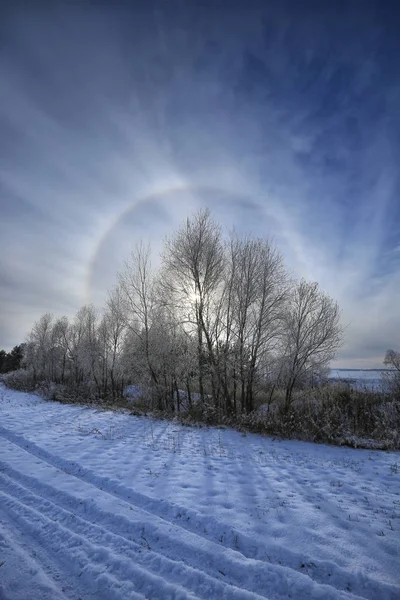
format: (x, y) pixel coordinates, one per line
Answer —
(116, 123)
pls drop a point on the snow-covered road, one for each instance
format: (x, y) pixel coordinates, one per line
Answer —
(105, 506)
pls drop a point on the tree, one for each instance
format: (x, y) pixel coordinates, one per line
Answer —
(60, 349)
(112, 332)
(193, 270)
(392, 379)
(312, 335)
(258, 294)
(89, 349)
(220, 322)
(138, 306)
(11, 361)
(38, 348)
(3, 357)
(392, 360)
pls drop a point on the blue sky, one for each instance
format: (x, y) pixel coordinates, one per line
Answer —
(119, 119)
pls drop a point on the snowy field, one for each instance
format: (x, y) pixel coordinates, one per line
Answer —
(107, 506)
(360, 378)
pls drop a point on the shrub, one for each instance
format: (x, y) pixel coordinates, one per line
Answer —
(21, 380)
(333, 414)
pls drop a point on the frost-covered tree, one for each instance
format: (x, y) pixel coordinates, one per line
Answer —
(392, 379)
(219, 323)
(257, 300)
(139, 307)
(112, 334)
(38, 348)
(194, 264)
(312, 333)
(392, 360)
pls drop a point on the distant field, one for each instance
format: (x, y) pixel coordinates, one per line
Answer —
(370, 378)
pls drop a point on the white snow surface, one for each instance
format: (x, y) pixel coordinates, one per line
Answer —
(358, 374)
(361, 379)
(108, 506)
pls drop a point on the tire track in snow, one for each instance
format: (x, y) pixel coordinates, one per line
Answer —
(19, 559)
(110, 577)
(176, 572)
(279, 581)
(249, 551)
(55, 561)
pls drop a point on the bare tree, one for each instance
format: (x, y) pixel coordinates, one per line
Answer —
(392, 359)
(259, 292)
(138, 304)
(193, 270)
(220, 321)
(88, 348)
(38, 348)
(112, 330)
(391, 380)
(75, 337)
(313, 333)
(60, 349)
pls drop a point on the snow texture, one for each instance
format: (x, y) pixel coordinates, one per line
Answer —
(108, 506)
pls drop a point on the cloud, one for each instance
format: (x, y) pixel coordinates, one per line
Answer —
(115, 124)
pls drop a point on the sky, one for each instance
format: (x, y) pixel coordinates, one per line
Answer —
(120, 119)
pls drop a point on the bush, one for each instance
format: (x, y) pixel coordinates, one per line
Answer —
(21, 380)
(332, 414)
(391, 384)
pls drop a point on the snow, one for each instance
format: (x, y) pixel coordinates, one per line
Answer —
(109, 506)
(360, 378)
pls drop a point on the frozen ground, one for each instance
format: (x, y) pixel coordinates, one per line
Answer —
(359, 374)
(107, 506)
(360, 378)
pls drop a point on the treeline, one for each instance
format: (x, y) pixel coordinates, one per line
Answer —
(219, 326)
(11, 361)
